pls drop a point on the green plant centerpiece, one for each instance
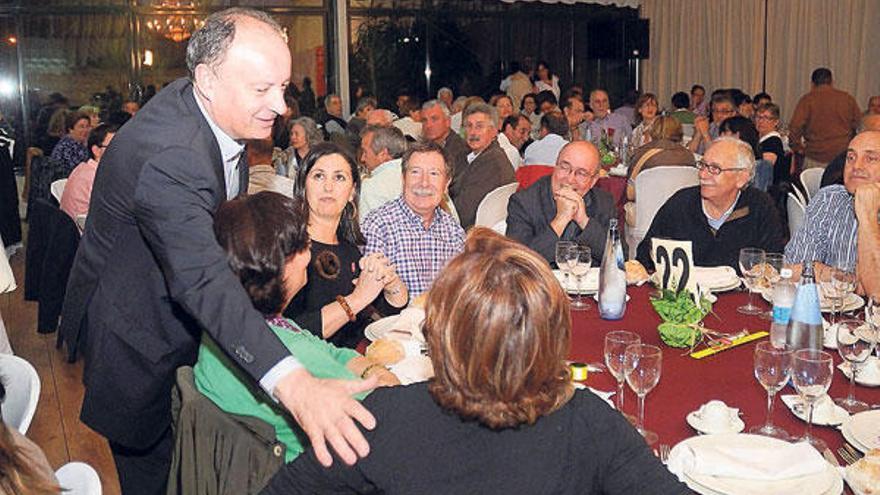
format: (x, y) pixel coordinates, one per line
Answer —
(681, 311)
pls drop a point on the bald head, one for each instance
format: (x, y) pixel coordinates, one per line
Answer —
(577, 167)
(379, 117)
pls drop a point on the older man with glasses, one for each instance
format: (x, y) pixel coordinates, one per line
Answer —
(563, 206)
(723, 108)
(721, 215)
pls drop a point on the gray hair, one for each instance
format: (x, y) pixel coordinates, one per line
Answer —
(390, 138)
(436, 103)
(329, 97)
(484, 109)
(210, 42)
(444, 90)
(744, 157)
(313, 134)
(458, 103)
(364, 102)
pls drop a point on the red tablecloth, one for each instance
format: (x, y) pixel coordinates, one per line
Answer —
(617, 187)
(686, 383)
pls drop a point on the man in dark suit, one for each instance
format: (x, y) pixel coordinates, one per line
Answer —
(487, 166)
(149, 275)
(563, 206)
(437, 127)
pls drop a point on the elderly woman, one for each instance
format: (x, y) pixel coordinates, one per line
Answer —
(266, 242)
(646, 112)
(304, 134)
(71, 148)
(500, 414)
(769, 139)
(344, 289)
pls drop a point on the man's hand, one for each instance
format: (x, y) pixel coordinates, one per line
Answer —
(573, 198)
(325, 410)
(701, 125)
(566, 209)
(867, 203)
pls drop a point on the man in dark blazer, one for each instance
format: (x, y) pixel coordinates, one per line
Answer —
(564, 206)
(149, 276)
(487, 166)
(437, 127)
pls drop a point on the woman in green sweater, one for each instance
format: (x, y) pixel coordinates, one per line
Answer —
(267, 246)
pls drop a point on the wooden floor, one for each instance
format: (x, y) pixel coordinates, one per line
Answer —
(56, 427)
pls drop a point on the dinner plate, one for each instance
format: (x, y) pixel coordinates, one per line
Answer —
(828, 481)
(864, 428)
(589, 282)
(868, 375)
(403, 326)
(712, 278)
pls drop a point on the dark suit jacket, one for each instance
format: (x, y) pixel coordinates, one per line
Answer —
(470, 184)
(531, 210)
(149, 274)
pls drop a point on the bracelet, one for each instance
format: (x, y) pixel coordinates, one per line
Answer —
(342, 302)
(368, 368)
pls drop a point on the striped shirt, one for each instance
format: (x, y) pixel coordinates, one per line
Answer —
(828, 234)
(418, 253)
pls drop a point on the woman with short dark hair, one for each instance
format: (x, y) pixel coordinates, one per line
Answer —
(501, 414)
(71, 148)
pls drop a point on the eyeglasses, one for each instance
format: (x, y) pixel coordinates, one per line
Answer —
(580, 174)
(765, 117)
(724, 111)
(716, 169)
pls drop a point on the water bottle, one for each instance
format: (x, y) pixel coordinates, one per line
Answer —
(783, 298)
(805, 324)
(612, 277)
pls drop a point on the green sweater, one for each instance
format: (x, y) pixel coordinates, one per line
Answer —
(219, 379)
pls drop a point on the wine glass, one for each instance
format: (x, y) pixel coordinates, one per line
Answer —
(616, 343)
(562, 248)
(811, 374)
(579, 260)
(642, 363)
(772, 370)
(855, 343)
(836, 285)
(751, 262)
(773, 263)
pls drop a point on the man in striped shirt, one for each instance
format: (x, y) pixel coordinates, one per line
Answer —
(829, 233)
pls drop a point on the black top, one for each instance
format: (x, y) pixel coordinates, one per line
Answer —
(330, 274)
(774, 145)
(583, 448)
(754, 222)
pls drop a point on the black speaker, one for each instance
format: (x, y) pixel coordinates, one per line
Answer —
(636, 39)
(621, 39)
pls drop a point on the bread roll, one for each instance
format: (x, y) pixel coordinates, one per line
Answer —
(864, 475)
(386, 351)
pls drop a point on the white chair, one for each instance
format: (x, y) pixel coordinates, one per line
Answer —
(493, 208)
(22, 392)
(653, 187)
(57, 189)
(78, 478)
(811, 178)
(796, 213)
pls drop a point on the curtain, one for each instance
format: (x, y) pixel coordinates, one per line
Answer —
(721, 44)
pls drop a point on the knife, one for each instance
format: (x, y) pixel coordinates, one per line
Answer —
(716, 349)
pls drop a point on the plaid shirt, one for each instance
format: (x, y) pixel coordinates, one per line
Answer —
(829, 232)
(418, 253)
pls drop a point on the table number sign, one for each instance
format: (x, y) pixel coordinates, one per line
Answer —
(674, 263)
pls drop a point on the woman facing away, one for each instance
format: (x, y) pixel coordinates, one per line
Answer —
(265, 240)
(500, 414)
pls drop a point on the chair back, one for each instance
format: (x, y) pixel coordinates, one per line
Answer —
(796, 213)
(78, 478)
(493, 208)
(22, 392)
(653, 187)
(526, 175)
(811, 178)
(57, 189)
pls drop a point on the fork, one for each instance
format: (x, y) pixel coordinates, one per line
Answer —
(664, 453)
(855, 454)
(846, 456)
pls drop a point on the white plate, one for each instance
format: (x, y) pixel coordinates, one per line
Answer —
(713, 278)
(589, 282)
(408, 322)
(864, 428)
(869, 373)
(735, 426)
(826, 482)
(833, 414)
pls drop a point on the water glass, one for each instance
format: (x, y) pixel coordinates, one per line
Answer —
(616, 343)
(811, 374)
(772, 370)
(579, 260)
(773, 263)
(751, 261)
(836, 285)
(855, 343)
(642, 364)
(562, 248)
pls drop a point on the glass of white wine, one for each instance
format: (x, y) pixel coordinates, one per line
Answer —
(580, 259)
(643, 364)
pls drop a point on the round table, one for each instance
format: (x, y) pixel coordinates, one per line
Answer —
(686, 383)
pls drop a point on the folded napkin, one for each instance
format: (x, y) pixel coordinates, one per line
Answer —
(714, 276)
(413, 369)
(825, 411)
(747, 462)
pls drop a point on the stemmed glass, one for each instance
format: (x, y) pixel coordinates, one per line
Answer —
(772, 369)
(562, 248)
(771, 274)
(642, 363)
(855, 343)
(579, 260)
(836, 285)
(616, 343)
(811, 374)
(750, 265)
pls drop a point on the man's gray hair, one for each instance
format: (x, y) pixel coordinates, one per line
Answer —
(390, 138)
(444, 90)
(329, 97)
(436, 103)
(744, 157)
(483, 108)
(210, 42)
(313, 134)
